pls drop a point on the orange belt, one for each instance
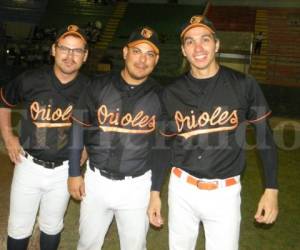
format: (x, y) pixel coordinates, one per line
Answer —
(211, 185)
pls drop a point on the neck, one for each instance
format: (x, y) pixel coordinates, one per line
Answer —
(130, 80)
(205, 73)
(63, 77)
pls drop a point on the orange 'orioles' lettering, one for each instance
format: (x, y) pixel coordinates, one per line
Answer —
(114, 122)
(223, 120)
(47, 117)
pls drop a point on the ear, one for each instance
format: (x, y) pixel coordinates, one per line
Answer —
(217, 45)
(156, 59)
(125, 52)
(183, 51)
(53, 50)
(86, 56)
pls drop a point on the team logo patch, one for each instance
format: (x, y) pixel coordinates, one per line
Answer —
(218, 121)
(139, 123)
(73, 28)
(49, 117)
(196, 19)
(146, 33)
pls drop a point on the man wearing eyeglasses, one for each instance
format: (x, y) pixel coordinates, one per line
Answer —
(121, 112)
(40, 153)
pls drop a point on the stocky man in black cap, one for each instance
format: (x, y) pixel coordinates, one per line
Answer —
(116, 120)
(210, 107)
(40, 153)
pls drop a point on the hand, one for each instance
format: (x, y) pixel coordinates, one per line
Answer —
(84, 156)
(267, 210)
(14, 148)
(76, 187)
(154, 209)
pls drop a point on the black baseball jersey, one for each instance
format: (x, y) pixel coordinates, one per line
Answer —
(46, 106)
(209, 119)
(122, 121)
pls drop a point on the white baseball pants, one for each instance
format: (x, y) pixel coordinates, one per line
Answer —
(127, 200)
(37, 188)
(218, 210)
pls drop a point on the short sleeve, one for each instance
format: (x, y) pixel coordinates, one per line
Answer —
(258, 108)
(11, 93)
(84, 108)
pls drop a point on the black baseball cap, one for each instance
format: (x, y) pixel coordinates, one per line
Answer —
(71, 29)
(197, 21)
(144, 35)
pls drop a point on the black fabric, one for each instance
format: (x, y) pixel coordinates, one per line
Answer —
(46, 106)
(45, 164)
(268, 152)
(49, 242)
(208, 120)
(14, 244)
(121, 122)
(75, 149)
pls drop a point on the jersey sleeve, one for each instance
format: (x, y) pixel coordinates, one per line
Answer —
(11, 93)
(258, 108)
(268, 153)
(83, 110)
(160, 153)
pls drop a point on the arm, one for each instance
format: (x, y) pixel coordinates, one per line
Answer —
(11, 141)
(154, 209)
(160, 162)
(267, 210)
(84, 156)
(76, 185)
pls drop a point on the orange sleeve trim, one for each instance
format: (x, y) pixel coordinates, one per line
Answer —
(167, 135)
(260, 118)
(4, 100)
(80, 122)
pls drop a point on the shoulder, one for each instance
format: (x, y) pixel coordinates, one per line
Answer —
(236, 78)
(176, 84)
(31, 77)
(103, 79)
(97, 83)
(232, 74)
(154, 85)
(36, 73)
(83, 78)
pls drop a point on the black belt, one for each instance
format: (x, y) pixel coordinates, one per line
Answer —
(115, 176)
(45, 164)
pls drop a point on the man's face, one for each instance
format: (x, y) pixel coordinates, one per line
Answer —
(69, 55)
(199, 47)
(140, 61)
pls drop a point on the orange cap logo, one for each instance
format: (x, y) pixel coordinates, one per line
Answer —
(73, 28)
(196, 19)
(146, 33)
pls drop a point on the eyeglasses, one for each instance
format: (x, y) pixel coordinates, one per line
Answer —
(66, 50)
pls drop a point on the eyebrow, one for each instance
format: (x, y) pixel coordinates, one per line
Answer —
(61, 45)
(148, 51)
(205, 35)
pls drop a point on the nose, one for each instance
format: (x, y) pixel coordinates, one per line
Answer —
(143, 57)
(70, 53)
(198, 46)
